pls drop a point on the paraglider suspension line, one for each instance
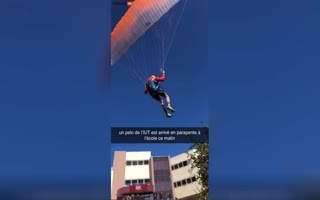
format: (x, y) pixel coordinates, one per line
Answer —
(174, 32)
(138, 76)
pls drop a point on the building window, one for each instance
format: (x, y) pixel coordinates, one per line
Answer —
(178, 183)
(163, 186)
(128, 163)
(155, 166)
(169, 186)
(147, 181)
(157, 187)
(172, 167)
(185, 163)
(194, 179)
(184, 182)
(175, 185)
(162, 158)
(163, 165)
(166, 166)
(176, 166)
(128, 182)
(188, 180)
(140, 181)
(180, 165)
(134, 182)
(140, 162)
(146, 162)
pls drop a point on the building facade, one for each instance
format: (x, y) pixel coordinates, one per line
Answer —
(186, 186)
(161, 176)
(143, 176)
(129, 169)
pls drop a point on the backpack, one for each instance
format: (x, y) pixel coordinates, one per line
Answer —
(152, 85)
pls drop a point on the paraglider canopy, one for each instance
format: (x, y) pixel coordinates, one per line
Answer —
(144, 34)
(137, 20)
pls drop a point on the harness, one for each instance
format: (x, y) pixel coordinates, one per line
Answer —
(152, 86)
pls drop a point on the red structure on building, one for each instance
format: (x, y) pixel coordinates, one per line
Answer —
(138, 191)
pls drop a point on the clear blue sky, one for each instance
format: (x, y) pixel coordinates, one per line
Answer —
(265, 88)
(53, 115)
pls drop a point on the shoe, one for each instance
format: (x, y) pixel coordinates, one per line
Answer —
(170, 108)
(169, 115)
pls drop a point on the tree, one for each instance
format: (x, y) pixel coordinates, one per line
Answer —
(200, 162)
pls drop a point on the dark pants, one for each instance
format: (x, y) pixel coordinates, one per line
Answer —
(158, 94)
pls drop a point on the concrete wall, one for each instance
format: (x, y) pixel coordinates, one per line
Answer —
(137, 171)
(120, 172)
(118, 179)
(184, 172)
